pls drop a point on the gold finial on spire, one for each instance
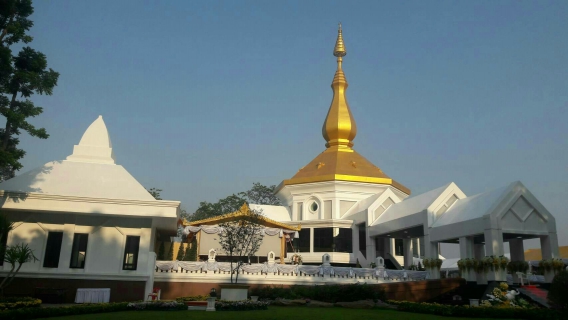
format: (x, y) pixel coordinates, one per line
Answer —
(339, 128)
(339, 50)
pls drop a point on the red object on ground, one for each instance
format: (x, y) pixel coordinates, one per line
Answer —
(536, 291)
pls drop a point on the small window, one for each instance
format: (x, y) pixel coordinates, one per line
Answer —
(79, 251)
(52, 250)
(131, 253)
(314, 207)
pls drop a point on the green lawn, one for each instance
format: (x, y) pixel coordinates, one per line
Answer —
(273, 313)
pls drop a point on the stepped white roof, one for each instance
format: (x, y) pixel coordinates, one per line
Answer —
(89, 172)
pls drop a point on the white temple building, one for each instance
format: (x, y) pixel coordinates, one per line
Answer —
(92, 224)
(351, 209)
(88, 221)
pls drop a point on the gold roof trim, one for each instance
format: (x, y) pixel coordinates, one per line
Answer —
(243, 211)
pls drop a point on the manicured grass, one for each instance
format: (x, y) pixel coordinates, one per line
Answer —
(273, 313)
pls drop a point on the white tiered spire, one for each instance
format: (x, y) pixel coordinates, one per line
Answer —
(95, 145)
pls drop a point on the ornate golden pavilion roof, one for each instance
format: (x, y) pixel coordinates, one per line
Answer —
(242, 212)
(339, 161)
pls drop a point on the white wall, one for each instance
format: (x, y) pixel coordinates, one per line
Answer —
(105, 247)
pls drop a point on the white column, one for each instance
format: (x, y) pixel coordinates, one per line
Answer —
(494, 247)
(549, 249)
(311, 240)
(517, 254)
(479, 253)
(371, 249)
(149, 287)
(432, 252)
(466, 251)
(407, 250)
(66, 247)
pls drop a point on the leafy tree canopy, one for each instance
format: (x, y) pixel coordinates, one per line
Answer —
(258, 194)
(156, 193)
(21, 76)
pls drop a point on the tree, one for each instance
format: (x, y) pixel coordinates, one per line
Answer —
(18, 254)
(181, 252)
(161, 251)
(21, 76)
(191, 250)
(5, 227)
(156, 193)
(258, 194)
(261, 194)
(170, 256)
(241, 238)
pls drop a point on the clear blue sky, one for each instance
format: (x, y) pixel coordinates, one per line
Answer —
(204, 98)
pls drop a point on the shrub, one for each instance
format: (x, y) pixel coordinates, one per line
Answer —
(477, 312)
(34, 313)
(244, 305)
(557, 295)
(192, 298)
(19, 303)
(325, 293)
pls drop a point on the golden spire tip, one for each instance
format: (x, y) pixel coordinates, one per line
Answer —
(339, 50)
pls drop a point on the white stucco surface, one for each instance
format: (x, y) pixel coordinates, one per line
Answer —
(277, 213)
(82, 179)
(472, 207)
(411, 205)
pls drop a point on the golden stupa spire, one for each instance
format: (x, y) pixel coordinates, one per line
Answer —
(339, 128)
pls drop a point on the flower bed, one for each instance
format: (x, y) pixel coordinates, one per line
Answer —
(244, 305)
(477, 312)
(19, 303)
(34, 313)
(500, 297)
(162, 305)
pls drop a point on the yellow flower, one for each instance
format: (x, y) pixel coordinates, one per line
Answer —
(504, 285)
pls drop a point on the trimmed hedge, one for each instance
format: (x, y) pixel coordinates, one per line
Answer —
(192, 298)
(19, 303)
(34, 313)
(557, 295)
(325, 293)
(477, 312)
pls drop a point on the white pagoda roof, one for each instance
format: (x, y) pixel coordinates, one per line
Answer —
(89, 172)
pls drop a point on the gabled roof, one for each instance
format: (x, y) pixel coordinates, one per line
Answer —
(411, 205)
(89, 172)
(472, 207)
(241, 213)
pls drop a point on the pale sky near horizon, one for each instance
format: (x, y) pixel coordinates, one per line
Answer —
(203, 98)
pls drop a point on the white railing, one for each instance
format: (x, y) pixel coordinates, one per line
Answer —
(187, 270)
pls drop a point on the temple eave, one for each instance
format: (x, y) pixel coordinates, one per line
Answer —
(344, 177)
